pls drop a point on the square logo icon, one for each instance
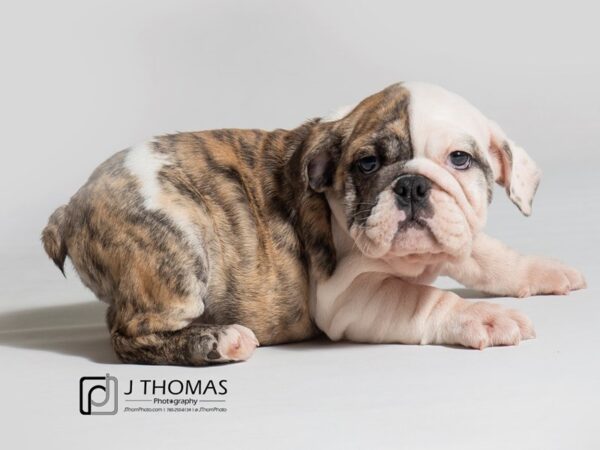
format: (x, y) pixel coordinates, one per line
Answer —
(98, 395)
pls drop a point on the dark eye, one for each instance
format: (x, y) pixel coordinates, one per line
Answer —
(460, 160)
(368, 164)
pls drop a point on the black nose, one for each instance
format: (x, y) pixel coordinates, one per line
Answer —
(412, 190)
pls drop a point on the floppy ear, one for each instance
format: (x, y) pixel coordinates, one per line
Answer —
(320, 159)
(514, 169)
(315, 152)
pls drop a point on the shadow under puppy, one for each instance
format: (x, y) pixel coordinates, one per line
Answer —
(206, 244)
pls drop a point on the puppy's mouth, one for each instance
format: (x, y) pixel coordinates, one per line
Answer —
(415, 223)
(415, 237)
(435, 226)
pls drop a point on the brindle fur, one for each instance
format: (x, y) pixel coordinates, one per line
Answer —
(264, 231)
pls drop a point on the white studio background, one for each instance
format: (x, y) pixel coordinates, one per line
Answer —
(80, 80)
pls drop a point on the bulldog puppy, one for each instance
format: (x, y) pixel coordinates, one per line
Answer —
(206, 244)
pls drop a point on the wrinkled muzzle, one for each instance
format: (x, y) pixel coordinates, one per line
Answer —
(424, 212)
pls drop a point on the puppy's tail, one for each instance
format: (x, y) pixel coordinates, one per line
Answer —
(53, 238)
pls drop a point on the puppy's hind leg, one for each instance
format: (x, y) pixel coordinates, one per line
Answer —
(195, 345)
(151, 323)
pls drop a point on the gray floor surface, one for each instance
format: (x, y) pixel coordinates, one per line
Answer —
(543, 394)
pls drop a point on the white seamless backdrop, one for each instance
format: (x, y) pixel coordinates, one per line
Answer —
(80, 80)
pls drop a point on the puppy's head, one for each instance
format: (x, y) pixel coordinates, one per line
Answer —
(409, 172)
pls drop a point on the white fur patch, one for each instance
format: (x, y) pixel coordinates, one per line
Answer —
(143, 162)
(433, 109)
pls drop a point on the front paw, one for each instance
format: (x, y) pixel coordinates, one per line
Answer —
(545, 276)
(481, 324)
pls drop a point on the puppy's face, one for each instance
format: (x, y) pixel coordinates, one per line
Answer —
(409, 172)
